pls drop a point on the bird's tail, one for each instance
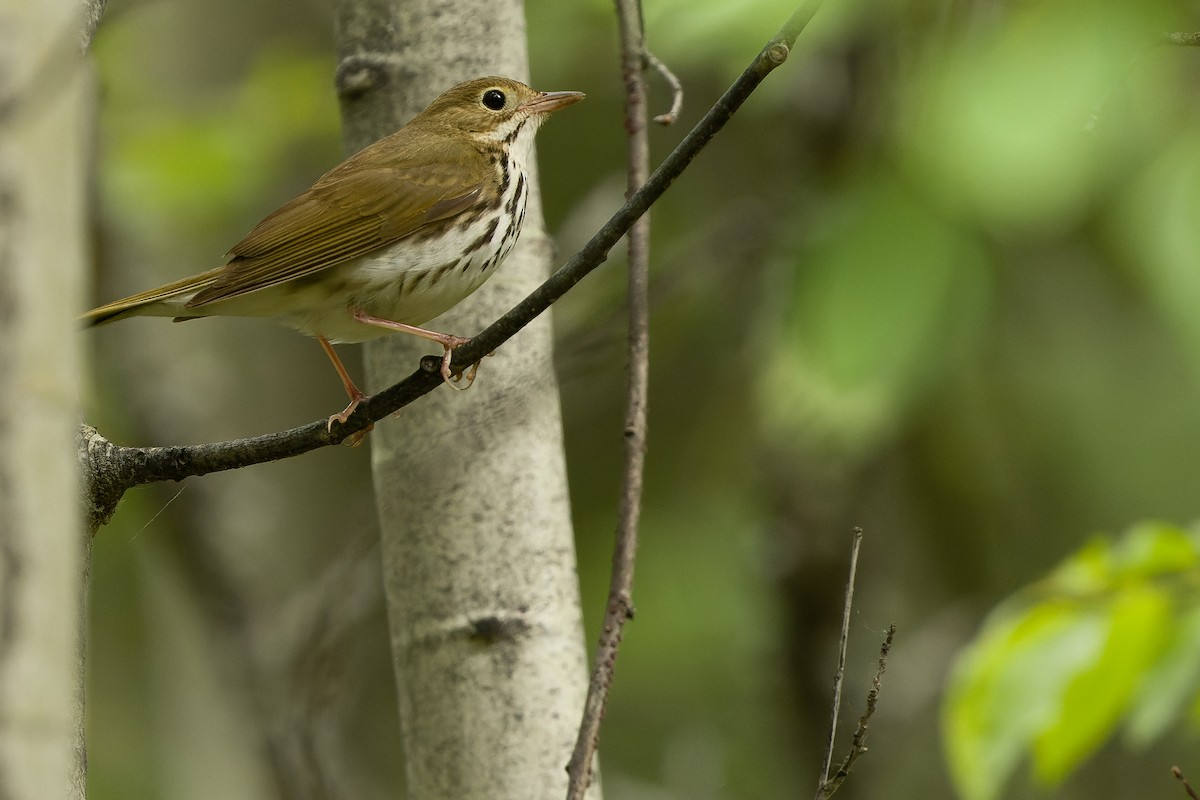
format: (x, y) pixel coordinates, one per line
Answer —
(165, 301)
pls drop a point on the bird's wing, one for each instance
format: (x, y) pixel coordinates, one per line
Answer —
(346, 214)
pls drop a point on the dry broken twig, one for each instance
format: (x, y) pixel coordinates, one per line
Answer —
(1178, 773)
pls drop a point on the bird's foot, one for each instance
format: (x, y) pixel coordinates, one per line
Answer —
(455, 380)
(356, 438)
(469, 373)
(356, 396)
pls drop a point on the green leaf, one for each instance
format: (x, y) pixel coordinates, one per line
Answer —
(1100, 691)
(1110, 635)
(1154, 548)
(1005, 689)
(1165, 689)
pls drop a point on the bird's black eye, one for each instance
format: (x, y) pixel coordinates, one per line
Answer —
(493, 99)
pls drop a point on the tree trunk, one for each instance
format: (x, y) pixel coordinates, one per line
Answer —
(43, 112)
(478, 554)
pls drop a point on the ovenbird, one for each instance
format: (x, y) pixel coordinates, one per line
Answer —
(388, 239)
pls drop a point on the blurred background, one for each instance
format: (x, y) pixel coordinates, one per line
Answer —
(938, 280)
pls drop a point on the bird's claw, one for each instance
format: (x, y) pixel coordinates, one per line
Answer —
(468, 373)
(356, 438)
(452, 379)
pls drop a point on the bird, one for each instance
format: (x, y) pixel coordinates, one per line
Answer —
(396, 234)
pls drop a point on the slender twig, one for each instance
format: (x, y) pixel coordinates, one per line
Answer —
(840, 674)
(858, 743)
(111, 469)
(1178, 773)
(662, 69)
(619, 607)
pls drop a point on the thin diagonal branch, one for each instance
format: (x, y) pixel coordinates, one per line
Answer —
(619, 607)
(840, 674)
(111, 469)
(1187, 787)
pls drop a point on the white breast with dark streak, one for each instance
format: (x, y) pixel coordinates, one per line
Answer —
(418, 278)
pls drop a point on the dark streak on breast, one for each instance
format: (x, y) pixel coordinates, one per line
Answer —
(511, 208)
(513, 134)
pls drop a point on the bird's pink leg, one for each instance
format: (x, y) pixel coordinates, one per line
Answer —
(444, 339)
(356, 394)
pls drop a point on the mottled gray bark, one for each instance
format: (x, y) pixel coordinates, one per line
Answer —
(43, 116)
(93, 10)
(479, 563)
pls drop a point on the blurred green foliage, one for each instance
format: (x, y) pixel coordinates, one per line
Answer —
(938, 279)
(1110, 636)
(202, 168)
(886, 301)
(1014, 128)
